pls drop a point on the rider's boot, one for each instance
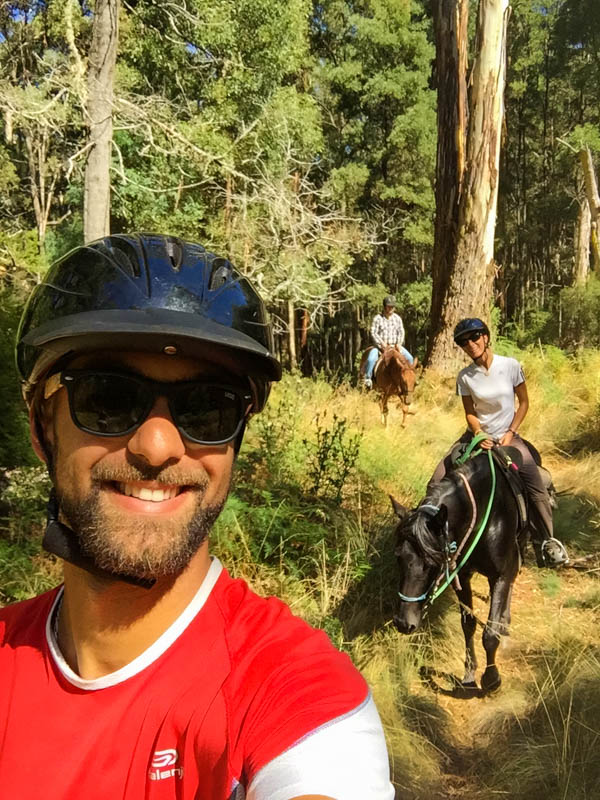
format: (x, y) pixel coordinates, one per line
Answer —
(554, 552)
(550, 552)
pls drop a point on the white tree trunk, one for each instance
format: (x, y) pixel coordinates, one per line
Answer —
(102, 59)
(292, 334)
(582, 244)
(591, 190)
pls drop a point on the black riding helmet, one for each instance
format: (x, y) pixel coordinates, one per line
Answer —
(470, 325)
(147, 292)
(142, 292)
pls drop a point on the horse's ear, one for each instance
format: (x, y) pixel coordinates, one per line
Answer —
(416, 362)
(399, 510)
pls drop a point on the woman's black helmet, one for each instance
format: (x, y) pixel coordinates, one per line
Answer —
(470, 325)
(147, 292)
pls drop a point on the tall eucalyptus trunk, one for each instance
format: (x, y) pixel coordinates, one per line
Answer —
(467, 169)
(99, 110)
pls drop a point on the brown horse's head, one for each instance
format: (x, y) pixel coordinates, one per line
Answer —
(397, 371)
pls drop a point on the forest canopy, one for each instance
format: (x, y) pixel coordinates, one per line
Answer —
(299, 139)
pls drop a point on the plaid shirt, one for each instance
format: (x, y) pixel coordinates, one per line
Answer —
(387, 331)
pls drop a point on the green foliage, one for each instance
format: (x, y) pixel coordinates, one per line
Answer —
(15, 448)
(550, 584)
(286, 511)
(414, 304)
(553, 108)
(332, 457)
(581, 314)
(25, 495)
(22, 511)
(274, 432)
(372, 75)
(286, 531)
(586, 135)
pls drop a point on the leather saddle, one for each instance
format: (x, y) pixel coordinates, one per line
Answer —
(508, 461)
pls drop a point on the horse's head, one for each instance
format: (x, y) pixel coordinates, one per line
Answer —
(420, 554)
(409, 380)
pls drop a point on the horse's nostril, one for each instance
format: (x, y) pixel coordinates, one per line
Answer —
(403, 626)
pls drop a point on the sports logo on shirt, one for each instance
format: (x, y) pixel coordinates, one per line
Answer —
(164, 759)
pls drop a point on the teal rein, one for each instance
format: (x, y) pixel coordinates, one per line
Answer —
(469, 453)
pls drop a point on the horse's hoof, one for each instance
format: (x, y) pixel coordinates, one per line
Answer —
(490, 680)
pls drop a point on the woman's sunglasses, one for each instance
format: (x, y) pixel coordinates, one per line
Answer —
(116, 403)
(470, 337)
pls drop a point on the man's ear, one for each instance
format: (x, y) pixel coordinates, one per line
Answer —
(36, 433)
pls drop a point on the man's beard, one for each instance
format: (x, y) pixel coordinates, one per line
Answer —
(147, 548)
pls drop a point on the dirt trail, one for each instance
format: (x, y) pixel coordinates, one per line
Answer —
(543, 609)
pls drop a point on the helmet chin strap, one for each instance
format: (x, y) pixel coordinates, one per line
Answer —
(61, 541)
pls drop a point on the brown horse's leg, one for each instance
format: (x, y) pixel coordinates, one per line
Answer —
(469, 625)
(497, 626)
(405, 410)
(383, 402)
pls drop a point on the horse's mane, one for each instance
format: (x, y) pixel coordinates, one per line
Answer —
(428, 542)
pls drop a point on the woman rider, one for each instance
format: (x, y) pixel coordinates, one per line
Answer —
(487, 388)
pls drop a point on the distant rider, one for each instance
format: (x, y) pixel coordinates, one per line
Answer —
(487, 388)
(387, 330)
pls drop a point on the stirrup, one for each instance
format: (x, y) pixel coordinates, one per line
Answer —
(554, 552)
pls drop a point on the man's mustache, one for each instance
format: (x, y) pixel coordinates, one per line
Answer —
(131, 473)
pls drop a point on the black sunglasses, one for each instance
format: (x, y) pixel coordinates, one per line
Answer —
(116, 403)
(470, 337)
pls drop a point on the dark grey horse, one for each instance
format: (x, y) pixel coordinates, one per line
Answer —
(438, 533)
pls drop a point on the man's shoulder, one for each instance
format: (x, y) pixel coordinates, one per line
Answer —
(266, 641)
(266, 622)
(286, 679)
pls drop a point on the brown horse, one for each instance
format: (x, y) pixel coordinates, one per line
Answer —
(394, 375)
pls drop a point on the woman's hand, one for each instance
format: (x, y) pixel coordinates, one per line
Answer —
(488, 443)
(506, 439)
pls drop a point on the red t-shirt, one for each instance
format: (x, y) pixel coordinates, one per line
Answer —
(223, 692)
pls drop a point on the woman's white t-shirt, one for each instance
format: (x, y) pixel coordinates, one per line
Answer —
(492, 391)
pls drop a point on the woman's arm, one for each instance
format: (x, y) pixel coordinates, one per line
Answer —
(523, 408)
(473, 420)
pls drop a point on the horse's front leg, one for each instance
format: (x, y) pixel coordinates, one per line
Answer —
(383, 403)
(469, 624)
(497, 626)
(404, 408)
